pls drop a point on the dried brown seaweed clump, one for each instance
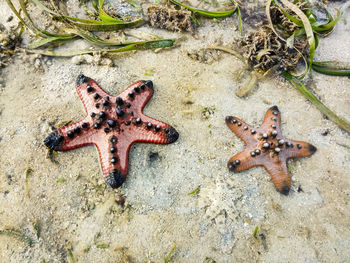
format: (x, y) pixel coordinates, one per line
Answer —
(278, 18)
(265, 50)
(170, 19)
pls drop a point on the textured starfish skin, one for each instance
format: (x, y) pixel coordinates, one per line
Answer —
(274, 157)
(121, 124)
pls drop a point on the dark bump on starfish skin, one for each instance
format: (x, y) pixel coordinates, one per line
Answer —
(231, 166)
(285, 189)
(265, 135)
(81, 79)
(274, 133)
(237, 162)
(119, 112)
(131, 94)
(105, 103)
(312, 148)
(70, 134)
(114, 160)
(113, 140)
(149, 84)
(102, 115)
(97, 125)
(239, 123)
(273, 126)
(128, 105)
(257, 151)
(137, 89)
(93, 114)
(149, 125)
(77, 130)
(115, 179)
(113, 149)
(266, 145)
(127, 123)
(245, 128)
(274, 108)
(229, 119)
(111, 123)
(157, 128)
(54, 141)
(171, 135)
(106, 130)
(90, 89)
(274, 118)
(96, 96)
(97, 105)
(143, 86)
(119, 101)
(253, 131)
(84, 125)
(253, 154)
(299, 146)
(138, 121)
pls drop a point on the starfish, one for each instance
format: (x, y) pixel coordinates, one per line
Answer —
(113, 124)
(266, 146)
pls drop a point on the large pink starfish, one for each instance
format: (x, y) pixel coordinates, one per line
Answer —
(266, 146)
(113, 124)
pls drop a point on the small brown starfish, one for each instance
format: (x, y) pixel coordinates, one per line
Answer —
(265, 146)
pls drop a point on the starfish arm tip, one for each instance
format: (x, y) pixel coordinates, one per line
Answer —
(284, 190)
(274, 108)
(171, 135)
(149, 84)
(231, 166)
(229, 119)
(54, 141)
(81, 79)
(115, 179)
(312, 149)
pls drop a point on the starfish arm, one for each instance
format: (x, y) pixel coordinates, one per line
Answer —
(279, 175)
(272, 120)
(241, 129)
(113, 159)
(115, 171)
(71, 137)
(242, 161)
(299, 149)
(154, 131)
(138, 94)
(90, 93)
